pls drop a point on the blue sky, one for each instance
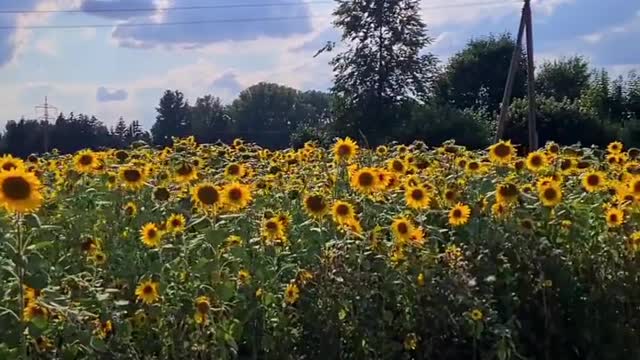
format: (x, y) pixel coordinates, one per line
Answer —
(122, 69)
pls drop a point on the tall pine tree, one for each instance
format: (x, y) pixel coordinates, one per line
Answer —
(383, 65)
(172, 119)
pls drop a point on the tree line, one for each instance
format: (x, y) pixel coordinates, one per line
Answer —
(386, 87)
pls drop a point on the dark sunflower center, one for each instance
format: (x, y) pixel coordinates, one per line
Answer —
(417, 194)
(121, 155)
(161, 194)
(508, 191)
(457, 213)
(462, 163)
(536, 160)
(235, 194)
(550, 194)
(450, 195)
(397, 166)
(152, 233)
(132, 175)
(344, 150)
(86, 160)
(403, 228)
(636, 186)
(176, 222)
(554, 149)
(271, 225)
(184, 170)
(502, 150)
(233, 169)
(147, 290)
(315, 203)
(565, 164)
(527, 224)
(203, 307)
(342, 210)
(593, 180)
(208, 195)
(365, 179)
(16, 188)
(474, 165)
(613, 218)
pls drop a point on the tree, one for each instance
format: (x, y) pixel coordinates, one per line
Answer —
(120, 133)
(382, 66)
(209, 121)
(476, 76)
(564, 78)
(172, 119)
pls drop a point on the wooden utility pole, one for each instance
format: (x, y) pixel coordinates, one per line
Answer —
(525, 24)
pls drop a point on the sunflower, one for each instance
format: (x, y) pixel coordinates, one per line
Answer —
(31, 294)
(352, 225)
(292, 293)
(382, 150)
(85, 161)
(593, 181)
(150, 235)
(130, 209)
(634, 185)
(615, 147)
(272, 230)
(364, 180)
(234, 171)
(203, 306)
(342, 212)
(121, 155)
(502, 152)
(459, 215)
(185, 173)
(236, 196)
(206, 196)
(132, 177)
(35, 311)
(473, 167)
(402, 228)
(104, 329)
(244, 277)
(417, 197)
(634, 242)
(550, 194)
(161, 194)
(315, 205)
(98, 257)
(527, 225)
(536, 161)
(20, 191)
(8, 162)
(476, 315)
(507, 192)
(148, 292)
(397, 166)
(176, 223)
(345, 150)
(614, 217)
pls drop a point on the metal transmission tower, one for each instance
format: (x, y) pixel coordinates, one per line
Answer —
(525, 24)
(45, 108)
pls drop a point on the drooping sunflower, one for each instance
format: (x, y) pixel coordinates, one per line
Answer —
(132, 177)
(234, 171)
(397, 166)
(291, 293)
(315, 205)
(8, 162)
(31, 294)
(342, 212)
(176, 223)
(536, 161)
(161, 194)
(352, 225)
(185, 172)
(130, 209)
(593, 181)
(402, 228)
(502, 152)
(85, 161)
(345, 150)
(550, 194)
(507, 192)
(206, 196)
(614, 217)
(150, 235)
(203, 306)
(615, 147)
(20, 191)
(364, 180)
(459, 215)
(244, 277)
(417, 197)
(148, 292)
(35, 311)
(236, 196)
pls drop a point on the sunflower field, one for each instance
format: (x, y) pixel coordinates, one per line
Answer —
(220, 251)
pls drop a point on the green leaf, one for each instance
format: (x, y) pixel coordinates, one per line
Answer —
(39, 280)
(70, 352)
(40, 245)
(39, 322)
(98, 344)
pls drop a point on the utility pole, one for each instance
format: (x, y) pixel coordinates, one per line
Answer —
(525, 24)
(45, 108)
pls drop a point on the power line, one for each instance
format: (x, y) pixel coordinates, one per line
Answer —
(238, 20)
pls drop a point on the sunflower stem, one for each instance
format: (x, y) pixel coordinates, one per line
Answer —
(20, 272)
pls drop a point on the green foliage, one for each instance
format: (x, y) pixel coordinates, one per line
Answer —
(383, 64)
(173, 118)
(563, 78)
(476, 76)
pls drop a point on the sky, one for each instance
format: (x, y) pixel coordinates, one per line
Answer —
(122, 68)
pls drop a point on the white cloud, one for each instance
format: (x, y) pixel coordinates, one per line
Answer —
(88, 33)
(593, 38)
(46, 47)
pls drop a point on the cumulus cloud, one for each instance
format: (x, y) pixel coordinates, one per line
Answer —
(8, 40)
(104, 95)
(227, 82)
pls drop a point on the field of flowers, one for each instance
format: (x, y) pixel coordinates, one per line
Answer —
(399, 252)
